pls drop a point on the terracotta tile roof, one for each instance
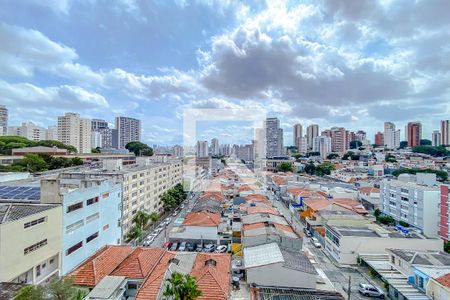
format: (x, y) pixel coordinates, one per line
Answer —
(214, 195)
(152, 284)
(262, 210)
(350, 204)
(444, 280)
(284, 227)
(213, 281)
(368, 190)
(139, 263)
(279, 180)
(254, 226)
(317, 203)
(256, 198)
(201, 218)
(99, 265)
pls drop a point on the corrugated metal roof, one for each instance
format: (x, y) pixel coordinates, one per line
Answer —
(262, 255)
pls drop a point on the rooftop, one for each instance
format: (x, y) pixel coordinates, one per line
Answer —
(107, 287)
(9, 289)
(444, 280)
(429, 258)
(202, 218)
(262, 255)
(10, 212)
(8, 192)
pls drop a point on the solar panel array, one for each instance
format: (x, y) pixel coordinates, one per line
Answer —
(20, 193)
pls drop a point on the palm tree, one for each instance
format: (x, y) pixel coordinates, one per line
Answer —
(181, 287)
(141, 219)
(135, 233)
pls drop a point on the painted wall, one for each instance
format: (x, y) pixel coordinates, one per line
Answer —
(277, 275)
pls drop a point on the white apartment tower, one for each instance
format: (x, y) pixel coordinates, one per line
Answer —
(214, 146)
(3, 120)
(445, 132)
(391, 136)
(75, 131)
(52, 133)
(273, 137)
(128, 130)
(312, 131)
(322, 144)
(436, 138)
(201, 149)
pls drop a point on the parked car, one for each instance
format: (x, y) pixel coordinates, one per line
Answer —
(175, 213)
(198, 247)
(307, 232)
(182, 206)
(370, 290)
(209, 248)
(221, 249)
(167, 245)
(316, 243)
(182, 246)
(191, 247)
(174, 247)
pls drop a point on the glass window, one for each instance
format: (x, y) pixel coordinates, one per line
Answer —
(34, 222)
(92, 237)
(74, 248)
(34, 247)
(74, 207)
(92, 201)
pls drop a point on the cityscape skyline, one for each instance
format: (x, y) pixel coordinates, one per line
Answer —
(156, 77)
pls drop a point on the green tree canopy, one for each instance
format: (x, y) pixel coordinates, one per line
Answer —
(440, 174)
(181, 287)
(431, 150)
(425, 142)
(139, 149)
(403, 144)
(355, 144)
(285, 167)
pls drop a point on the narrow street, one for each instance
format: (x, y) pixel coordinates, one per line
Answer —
(338, 276)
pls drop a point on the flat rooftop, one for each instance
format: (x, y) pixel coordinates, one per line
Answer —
(373, 230)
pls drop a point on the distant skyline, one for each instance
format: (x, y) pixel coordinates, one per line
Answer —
(354, 64)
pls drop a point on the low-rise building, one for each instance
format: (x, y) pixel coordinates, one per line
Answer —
(30, 242)
(269, 265)
(439, 288)
(369, 197)
(345, 243)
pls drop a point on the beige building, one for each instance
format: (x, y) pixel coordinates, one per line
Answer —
(75, 131)
(30, 242)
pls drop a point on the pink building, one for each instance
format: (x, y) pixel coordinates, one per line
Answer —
(443, 224)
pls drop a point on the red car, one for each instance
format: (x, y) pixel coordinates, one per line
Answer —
(167, 245)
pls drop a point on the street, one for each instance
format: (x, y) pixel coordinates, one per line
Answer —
(338, 276)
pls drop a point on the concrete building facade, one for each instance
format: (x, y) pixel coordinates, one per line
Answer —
(128, 130)
(75, 131)
(311, 132)
(3, 120)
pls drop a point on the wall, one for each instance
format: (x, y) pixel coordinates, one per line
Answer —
(107, 224)
(351, 246)
(276, 275)
(437, 291)
(14, 239)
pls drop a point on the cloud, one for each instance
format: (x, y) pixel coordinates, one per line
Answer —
(60, 97)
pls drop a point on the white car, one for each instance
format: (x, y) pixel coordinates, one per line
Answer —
(221, 249)
(370, 290)
(175, 213)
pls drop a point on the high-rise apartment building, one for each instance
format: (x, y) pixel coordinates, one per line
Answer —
(379, 139)
(311, 132)
(178, 151)
(128, 130)
(214, 147)
(108, 136)
(361, 136)
(96, 139)
(436, 138)
(413, 133)
(97, 124)
(52, 133)
(75, 131)
(273, 137)
(339, 139)
(3, 120)
(259, 144)
(322, 144)
(297, 134)
(391, 136)
(31, 131)
(445, 132)
(302, 145)
(244, 152)
(201, 149)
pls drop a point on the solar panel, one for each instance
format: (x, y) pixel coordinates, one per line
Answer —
(19, 192)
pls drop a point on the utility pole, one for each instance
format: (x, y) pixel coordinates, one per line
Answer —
(349, 286)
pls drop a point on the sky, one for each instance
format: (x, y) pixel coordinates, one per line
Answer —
(345, 63)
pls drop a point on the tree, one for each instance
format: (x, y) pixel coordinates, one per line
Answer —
(332, 156)
(139, 149)
(154, 217)
(31, 163)
(325, 168)
(310, 168)
(135, 233)
(403, 144)
(62, 289)
(425, 142)
(181, 287)
(386, 220)
(440, 174)
(30, 292)
(141, 219)
(348, 155)
(430, 150)
(96, 150)
(377, 213)
(285, 167)
(309, 154)
(76, 161)
(447, 246)
(390, 158)
(355, 144)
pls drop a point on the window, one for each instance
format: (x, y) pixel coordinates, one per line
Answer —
(74, 248)
(34, 222)
(74, 226)
(92, 201)
(74, 207)
(34, 247)
(91, 218)
(92, 237)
